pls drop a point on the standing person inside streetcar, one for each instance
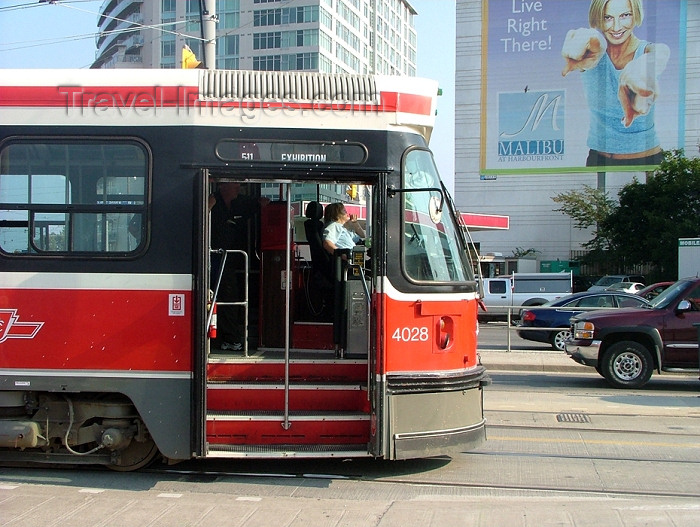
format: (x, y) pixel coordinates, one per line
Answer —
(230, 212)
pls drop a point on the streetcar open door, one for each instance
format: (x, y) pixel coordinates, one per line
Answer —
(298, 385)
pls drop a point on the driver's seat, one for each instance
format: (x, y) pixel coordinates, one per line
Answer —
(321, 260)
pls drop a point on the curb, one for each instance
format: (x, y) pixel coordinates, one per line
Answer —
(539, 368)
(544, 361)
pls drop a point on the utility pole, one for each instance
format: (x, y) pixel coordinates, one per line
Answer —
(209, 20)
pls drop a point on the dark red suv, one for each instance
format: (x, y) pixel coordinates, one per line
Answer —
(626, 345)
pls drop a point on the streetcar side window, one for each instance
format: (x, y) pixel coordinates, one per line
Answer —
(73, 197)
(431, 251)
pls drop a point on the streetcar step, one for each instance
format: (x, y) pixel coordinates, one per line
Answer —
(268, 428)
(271, 396)
(285, 451)
(255, 369)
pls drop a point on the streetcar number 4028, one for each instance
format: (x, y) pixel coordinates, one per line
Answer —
(411, 334)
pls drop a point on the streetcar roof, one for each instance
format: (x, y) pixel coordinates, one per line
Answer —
(159, 97)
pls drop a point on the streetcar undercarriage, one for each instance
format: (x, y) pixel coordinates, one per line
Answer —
(73, 428)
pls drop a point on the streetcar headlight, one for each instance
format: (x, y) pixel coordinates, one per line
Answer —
(584, 330)
(446, 333)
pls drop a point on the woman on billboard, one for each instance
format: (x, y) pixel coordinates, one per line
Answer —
(619, 73)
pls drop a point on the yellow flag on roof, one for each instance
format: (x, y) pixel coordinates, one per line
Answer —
(189, 59)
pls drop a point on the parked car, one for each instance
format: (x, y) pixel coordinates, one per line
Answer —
(582, 283)
(610, 279)
(652, 291)
(626, 287)
(626, 345)
(566, 308)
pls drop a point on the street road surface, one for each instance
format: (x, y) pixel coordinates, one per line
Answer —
(563, 449)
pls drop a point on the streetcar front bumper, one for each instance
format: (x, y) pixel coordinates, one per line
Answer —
(439, 442)
(436, 414)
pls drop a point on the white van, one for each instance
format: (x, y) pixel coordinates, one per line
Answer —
(522, 289)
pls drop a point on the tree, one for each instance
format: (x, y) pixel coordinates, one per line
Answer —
(521, 252)
(644, 228)
(589, 208)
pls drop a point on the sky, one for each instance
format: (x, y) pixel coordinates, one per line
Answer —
(61, 34)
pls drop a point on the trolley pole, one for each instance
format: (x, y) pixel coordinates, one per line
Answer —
(697, 325)
(209, 20)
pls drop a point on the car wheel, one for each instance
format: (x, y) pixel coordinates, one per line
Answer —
(627, 364)
(559, 338)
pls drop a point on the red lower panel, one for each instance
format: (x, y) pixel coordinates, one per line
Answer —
(98, 329)
(255, 432)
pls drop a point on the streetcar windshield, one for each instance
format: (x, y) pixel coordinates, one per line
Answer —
(431, 248)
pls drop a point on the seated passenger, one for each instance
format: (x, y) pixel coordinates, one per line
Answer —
(342, 230)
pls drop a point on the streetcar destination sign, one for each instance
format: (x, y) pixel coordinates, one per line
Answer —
(291, 152)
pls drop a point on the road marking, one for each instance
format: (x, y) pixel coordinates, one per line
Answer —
(589, 441)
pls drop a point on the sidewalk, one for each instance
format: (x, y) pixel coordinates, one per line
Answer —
(535, 361)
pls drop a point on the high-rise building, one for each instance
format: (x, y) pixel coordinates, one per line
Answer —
(331, 36)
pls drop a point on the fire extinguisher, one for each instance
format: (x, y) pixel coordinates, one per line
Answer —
(212, 323)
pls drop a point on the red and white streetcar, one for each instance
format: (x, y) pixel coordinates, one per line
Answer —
(108, 302)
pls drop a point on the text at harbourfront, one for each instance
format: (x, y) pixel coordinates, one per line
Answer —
(539, 150)
(509, 159)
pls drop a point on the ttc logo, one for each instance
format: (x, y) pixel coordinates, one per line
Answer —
(10, 328)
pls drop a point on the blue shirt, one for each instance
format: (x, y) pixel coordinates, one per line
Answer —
(606, 132)
(342, 238)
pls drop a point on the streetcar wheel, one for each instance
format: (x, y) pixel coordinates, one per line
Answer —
(559, 338)
(137, 455)
(627, 364)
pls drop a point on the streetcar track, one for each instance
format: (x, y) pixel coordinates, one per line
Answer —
(528, 489)
(594, 442)
(552, 489)
(204, 476)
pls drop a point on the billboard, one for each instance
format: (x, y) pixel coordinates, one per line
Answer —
(612, 104)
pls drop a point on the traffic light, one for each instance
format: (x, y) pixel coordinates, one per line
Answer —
(189, 59)
(352, 192)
